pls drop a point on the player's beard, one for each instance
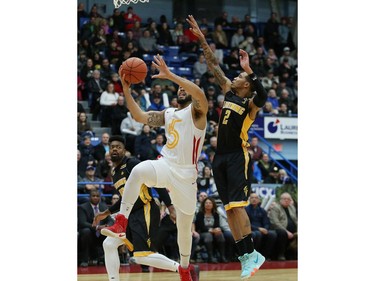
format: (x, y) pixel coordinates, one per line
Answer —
(116, 158)
(184, 101)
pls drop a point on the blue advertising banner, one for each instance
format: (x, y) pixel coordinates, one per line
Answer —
(264, 190)
(257, 126)
(280, 128)
(273, 127)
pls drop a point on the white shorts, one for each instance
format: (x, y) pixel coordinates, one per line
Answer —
(181, 182)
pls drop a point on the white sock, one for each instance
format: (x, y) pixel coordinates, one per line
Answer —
(112, 260)
(184, 238)
(159, 261)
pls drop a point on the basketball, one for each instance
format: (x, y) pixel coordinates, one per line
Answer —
(134, 69)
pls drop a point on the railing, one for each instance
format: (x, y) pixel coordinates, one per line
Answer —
(101, 183)
(291, 171)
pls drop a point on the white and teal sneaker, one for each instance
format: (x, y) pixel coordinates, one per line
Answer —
(250, 263)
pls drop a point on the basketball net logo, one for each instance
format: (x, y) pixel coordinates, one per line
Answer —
(118, 3)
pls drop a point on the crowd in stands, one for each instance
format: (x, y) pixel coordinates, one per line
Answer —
(105, 42)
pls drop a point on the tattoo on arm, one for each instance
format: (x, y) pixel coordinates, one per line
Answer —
(197, 109)
(209, 55)
(219, 75)
(155, 119)
(213, 64)
(196, 104)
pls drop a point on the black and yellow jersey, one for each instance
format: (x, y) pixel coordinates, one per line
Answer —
(120, 174)
(234, 124)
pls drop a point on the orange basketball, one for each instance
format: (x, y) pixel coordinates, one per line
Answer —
(134, 69)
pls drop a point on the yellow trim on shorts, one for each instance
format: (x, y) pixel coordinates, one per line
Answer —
(247, 159)
(144, 194)
(143, 253)
(236, 205)
(147, 213)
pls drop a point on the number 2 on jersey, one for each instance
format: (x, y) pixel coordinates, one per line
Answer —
(225, 119)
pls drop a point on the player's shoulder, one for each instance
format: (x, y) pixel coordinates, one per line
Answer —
(133, 160)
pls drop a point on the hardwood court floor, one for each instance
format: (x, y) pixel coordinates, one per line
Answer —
(289, 274)
(224, 272)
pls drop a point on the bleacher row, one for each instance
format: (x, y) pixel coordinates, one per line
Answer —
(179, 63)
(96, 125)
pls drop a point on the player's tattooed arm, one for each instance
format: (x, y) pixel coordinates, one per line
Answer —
(199, 110)
(197, 104)
(211, 60)
(219, 75)
(155, 118)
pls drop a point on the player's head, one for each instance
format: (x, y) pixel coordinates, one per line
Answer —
(183, 98)
(241, 85)
(117, 148)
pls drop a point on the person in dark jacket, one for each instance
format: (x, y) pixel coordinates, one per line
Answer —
(119, 113)
(143, 144)
(156, 103)
(89, 238)
(264, 238)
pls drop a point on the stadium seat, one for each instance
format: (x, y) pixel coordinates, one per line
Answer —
(185, 71)
(173, 51)
(174, 61)
(147, 58)
(172, 69)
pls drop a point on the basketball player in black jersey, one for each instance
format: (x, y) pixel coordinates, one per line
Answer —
(244, 97)
(143, 221)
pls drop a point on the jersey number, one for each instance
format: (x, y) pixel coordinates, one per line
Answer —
(173, 133)
(227, 114)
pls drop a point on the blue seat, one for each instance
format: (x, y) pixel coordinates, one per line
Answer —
(147, 58)
(172, 69)
(173, 51)
(185, 72)
(226, 52)
(162, 48)
(83, 21)
(173, 61)
(188, 59)
(95, 141)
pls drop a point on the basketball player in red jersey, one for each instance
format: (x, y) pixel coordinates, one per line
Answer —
(176, 169)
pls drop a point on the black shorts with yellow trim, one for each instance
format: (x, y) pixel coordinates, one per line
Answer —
(143, 227)
(232, 174)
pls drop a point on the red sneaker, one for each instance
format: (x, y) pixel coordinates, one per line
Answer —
(194, 271)
(118, 229)
(184, 273)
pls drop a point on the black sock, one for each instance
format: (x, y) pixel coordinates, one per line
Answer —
(249, 243)
(241, 246)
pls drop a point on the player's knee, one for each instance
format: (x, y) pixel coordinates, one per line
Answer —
(108, 245)
(140, 170)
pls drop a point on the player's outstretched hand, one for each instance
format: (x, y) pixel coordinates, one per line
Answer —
(159, 63)
(194, 27)
(125, 84)
(244, 59)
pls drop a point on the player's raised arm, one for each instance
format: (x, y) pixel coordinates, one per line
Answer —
(256, 86)
(152, 118)
(211, 60)
(200, 103)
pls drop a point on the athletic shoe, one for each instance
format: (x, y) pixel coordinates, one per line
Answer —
(184, 274)
(194, 271)
(118, 229)
(250, 263)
